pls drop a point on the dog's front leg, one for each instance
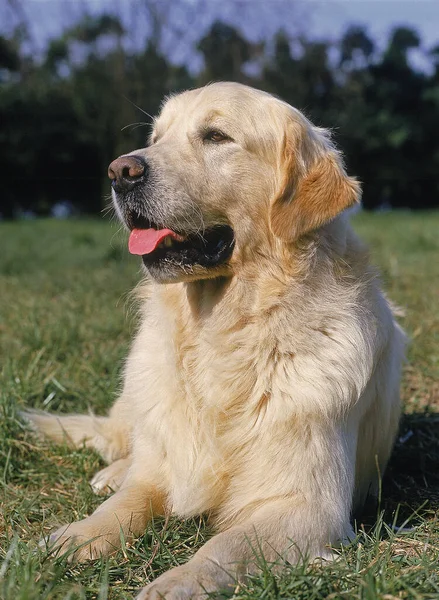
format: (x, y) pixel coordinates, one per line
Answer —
(271, 535)
(123, 515)
(304, 522)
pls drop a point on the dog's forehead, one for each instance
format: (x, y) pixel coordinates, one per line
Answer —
(233, 101)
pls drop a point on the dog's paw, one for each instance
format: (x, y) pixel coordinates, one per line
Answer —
(177, 584)
(109, 480)
(78, 542)
(191, 580)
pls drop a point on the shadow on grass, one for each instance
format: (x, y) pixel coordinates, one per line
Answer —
(410, 489)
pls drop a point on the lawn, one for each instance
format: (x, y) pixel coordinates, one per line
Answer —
(66, 318)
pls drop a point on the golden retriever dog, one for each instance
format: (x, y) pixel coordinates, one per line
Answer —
(262, 387)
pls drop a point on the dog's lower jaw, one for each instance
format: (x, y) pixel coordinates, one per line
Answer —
(173, 273)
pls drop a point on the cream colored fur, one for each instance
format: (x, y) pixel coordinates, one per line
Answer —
(265, 393)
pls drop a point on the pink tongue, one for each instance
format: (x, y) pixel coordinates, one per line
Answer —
(144, 241)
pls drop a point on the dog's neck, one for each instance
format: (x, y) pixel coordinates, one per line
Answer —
(260, 283)
(203, 295)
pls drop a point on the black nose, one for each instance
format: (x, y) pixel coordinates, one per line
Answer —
(127, 171)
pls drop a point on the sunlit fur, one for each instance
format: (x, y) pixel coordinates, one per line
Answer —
(266, 396)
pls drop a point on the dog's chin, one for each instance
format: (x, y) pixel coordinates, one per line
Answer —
(196, 257)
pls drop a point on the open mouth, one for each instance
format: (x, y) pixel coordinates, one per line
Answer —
(158, 245)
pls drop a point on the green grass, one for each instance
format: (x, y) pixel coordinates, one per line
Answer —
(66, 317)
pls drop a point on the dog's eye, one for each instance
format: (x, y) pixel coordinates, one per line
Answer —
(213, 135)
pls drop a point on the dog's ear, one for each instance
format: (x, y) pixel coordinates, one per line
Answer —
(315, 187)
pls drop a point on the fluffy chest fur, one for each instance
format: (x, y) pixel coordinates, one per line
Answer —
(232, 379)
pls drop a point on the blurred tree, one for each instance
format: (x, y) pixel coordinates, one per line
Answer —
(9, 56)
(434, 55)
(395, 126)
(356, 48)
(57, 52)
(304, 79)
(225, 53)
(91, 28)
(401, 41)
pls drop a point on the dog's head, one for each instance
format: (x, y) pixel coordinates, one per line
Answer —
(229, 170)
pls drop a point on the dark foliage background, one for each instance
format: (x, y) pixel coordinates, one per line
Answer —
(65, 113)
